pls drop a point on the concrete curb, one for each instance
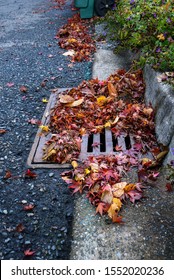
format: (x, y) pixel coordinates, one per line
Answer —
(161, 96)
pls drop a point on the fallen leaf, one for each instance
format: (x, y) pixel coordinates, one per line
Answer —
(169, 187)
(101, 100)
(117, 219)
(76, 103)
(112, 90)
(107, 197)
(134, 195)
(44, 128)
(34, 121)
(10, 84)
(44, 100)
(74, 164)
(28, 252)
(30, 174)
(28, 207)
(23, 89)
(65, 98)
(7, 174)
(101, 208)
(20, 228)
(2, 131)
(69, 53)
(115, 207)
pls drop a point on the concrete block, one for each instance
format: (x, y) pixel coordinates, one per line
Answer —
(161, 97)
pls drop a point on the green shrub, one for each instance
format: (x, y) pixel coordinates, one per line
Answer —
(146, 26)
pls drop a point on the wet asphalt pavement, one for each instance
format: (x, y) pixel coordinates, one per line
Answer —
(31, 57)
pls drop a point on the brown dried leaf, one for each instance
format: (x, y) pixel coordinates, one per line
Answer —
(76, 103)
(66, 98)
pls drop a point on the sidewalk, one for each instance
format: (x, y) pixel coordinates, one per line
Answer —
(148, 229)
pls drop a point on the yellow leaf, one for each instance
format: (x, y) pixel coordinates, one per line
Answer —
(82, 131)
(145, 161)
(87, 171)
(44, 128)
(108, 124)
(161, 37)
(76, 103)
(50, 153)
(72, 40)
(101, 100)
(66, 98)
(115, 207)
(44, 100)
(129, 187)
(79, 177)
(74, 164)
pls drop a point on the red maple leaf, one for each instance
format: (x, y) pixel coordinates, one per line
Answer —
(23, 89)
(7, 174)
(102, 208)
(76, 186)
(2, 131)
(20, 228)
(28, 207)
(117, 219)
(134, 195)
(30, 174)
(28, 252)
(169, 187)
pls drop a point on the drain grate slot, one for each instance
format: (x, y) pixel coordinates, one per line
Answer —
(102, 142)
(127, 140)
(115, 142)
(90, 143)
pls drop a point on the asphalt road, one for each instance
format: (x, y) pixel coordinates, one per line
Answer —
(29, 54)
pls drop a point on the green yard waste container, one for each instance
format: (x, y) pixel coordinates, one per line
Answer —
(86, 8)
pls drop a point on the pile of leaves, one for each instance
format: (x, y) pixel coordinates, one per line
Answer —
(75, 37)
(115, 104)
(101, 178)
(59, 4)
(95, 105)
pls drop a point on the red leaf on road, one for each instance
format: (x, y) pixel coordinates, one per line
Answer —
(169, 187)
(2, 131)
(28, 252)
(30, 174)
(117, 219)
(102, 208)
(10, 84)
(20, 228)
(134, 195)
(7, 174)
(28, 207)
(23, 89)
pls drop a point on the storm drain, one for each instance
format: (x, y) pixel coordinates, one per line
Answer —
(104, 143)
(95, 144)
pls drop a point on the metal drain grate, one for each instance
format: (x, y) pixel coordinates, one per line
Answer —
(103, 143)
(94, 144)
